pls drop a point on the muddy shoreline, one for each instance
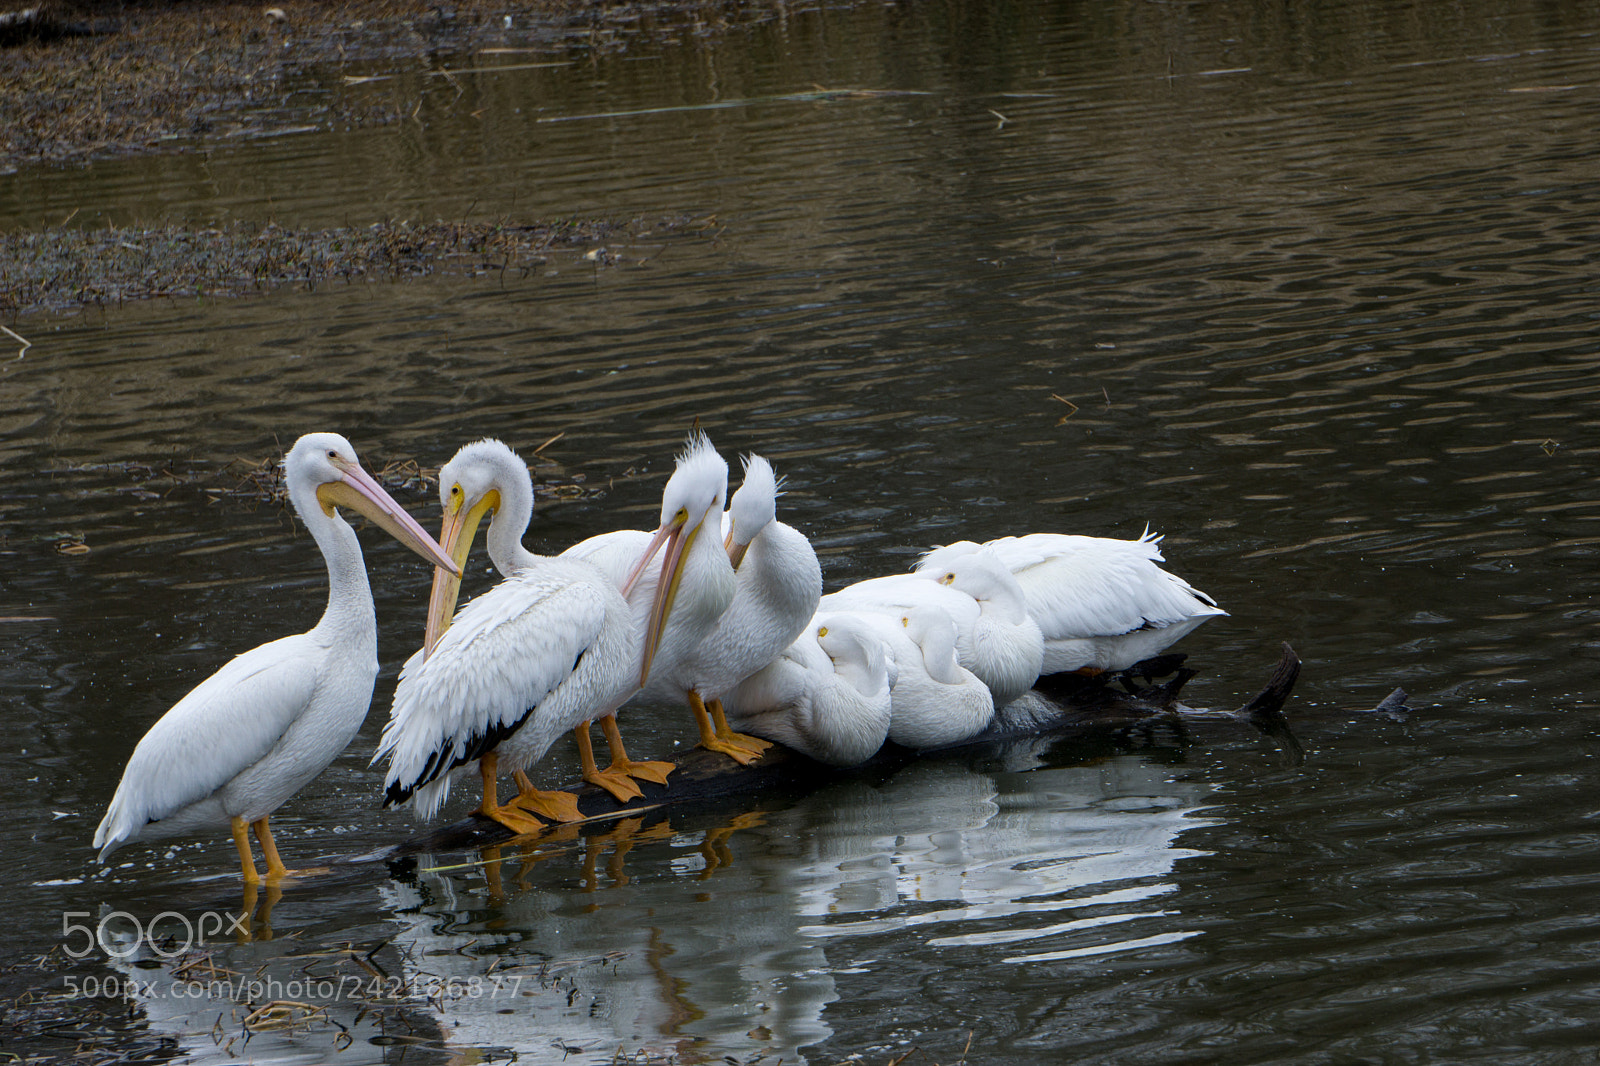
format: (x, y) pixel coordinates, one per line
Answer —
(88, 79)
(59, 269)
(91, 78)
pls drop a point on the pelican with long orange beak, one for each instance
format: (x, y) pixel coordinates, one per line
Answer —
(677, 606)
(777, 584)
(549, 648)
(234, 750)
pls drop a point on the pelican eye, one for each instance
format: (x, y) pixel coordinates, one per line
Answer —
(822, 632)
(906, 622)
(948, 579)
(333, 454)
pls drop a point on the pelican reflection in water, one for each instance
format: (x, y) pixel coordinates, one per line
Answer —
(1061, 860)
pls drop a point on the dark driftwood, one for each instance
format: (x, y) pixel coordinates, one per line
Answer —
(44, 22)
(1060, 705)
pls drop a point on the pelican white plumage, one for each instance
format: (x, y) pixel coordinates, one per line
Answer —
(234, 750)
(679, 606)
(547, 649)
(777, 585)
(995, 637)
(829, 695)
(1102, 603)
(935, 701)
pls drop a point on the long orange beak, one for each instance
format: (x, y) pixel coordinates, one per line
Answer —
(735, 551)
(679, 537)
(456, 534)
(666, 588)
(357, 490)
(662, 535)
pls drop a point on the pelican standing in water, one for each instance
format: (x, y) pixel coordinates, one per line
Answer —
(234, 750)
(1102, 603)
(680, 606)
(995, 637)
(828, 696)
(547, 649)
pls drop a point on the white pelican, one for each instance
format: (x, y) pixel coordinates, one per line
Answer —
(777, 584)
(935, 701)
(237, 747)
(544, 651)
(1101, 602)
(995, 637)
(827, 696)
(680, 606)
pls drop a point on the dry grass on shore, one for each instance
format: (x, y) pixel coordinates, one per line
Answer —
(86, 78)
(60, 268)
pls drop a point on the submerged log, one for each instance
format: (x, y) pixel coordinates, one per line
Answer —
(1060, 706)
(46, 22)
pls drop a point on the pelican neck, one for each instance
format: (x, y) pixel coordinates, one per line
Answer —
(506, 528)
(349, 593)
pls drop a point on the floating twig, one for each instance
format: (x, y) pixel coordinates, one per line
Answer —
(818, 96)
(26, 343)
(281, 1014)
(442, 72)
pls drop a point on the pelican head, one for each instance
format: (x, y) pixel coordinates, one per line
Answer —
(941, 557)
(754, 508)
(482, 477)
(695, 492)
(979, 574)
(933, 631)
(850, 642)
(325, 464)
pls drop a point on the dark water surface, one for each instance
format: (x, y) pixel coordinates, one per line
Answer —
(1323, 283)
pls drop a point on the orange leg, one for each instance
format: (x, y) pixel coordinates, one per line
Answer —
(644, 771)
(510, 816)
(276, 870)
(556, 806)
(710, 740)
(617, 782)
(724, 732)
(241, 840)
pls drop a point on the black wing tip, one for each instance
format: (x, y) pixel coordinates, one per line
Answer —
(397, 794)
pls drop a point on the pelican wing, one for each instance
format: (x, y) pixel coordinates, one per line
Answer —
(1095, 586)
(1035, 549)
(902, 592)
(1080, 587)
(227, 724)
(503, 656)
